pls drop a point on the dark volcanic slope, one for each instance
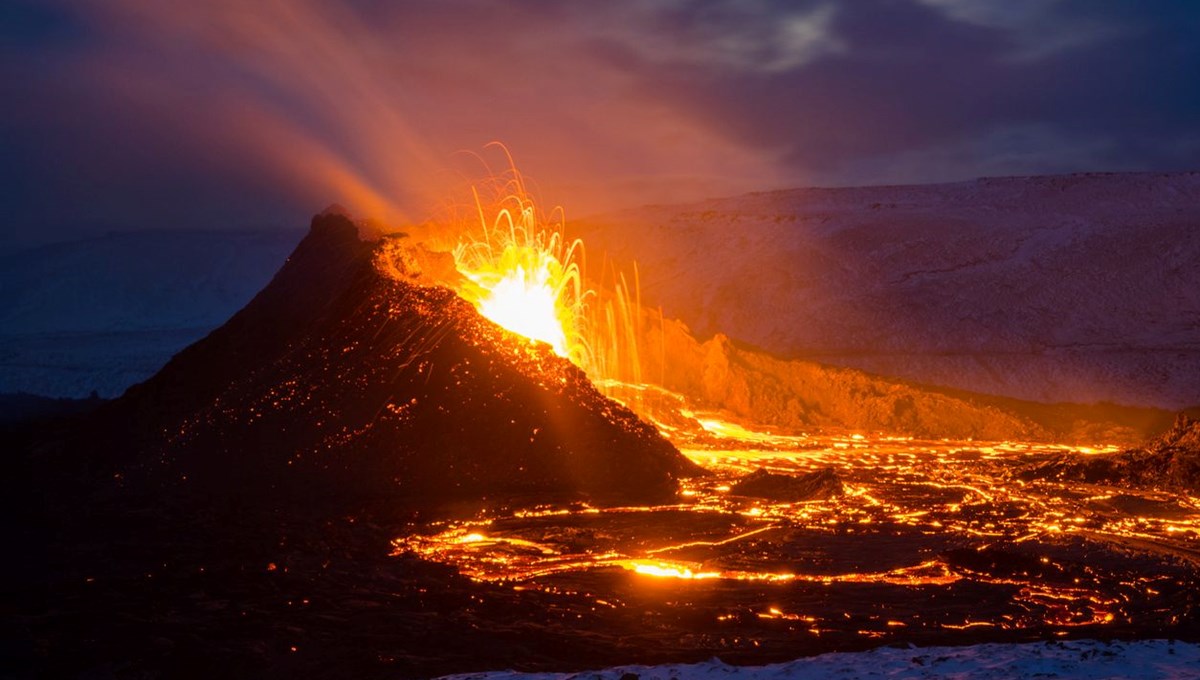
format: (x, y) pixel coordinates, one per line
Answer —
(348, 379)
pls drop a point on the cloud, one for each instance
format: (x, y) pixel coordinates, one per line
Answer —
(1038, 28)
(913, 84)
(731, 35)
(147, 113)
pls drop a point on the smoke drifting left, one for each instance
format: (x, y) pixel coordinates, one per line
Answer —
(370, 105)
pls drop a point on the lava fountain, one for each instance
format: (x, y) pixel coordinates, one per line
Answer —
(921, 539)
(523, 274)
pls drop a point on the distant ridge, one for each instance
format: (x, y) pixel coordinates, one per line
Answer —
(1066, 288)
(108, 311)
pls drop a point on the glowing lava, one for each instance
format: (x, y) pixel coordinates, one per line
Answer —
(522, 293)
(522, 273)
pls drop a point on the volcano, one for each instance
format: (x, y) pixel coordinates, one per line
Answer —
(353, 376)
(358, 474)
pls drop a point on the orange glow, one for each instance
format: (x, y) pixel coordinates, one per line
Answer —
(711, 541)
(665, 570)
(522, 290)
(522, 273)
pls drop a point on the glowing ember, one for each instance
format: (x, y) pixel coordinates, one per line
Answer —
(664, 570)
(937, 531)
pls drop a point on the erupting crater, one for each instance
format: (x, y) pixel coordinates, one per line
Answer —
(520, 272)
(357, 374)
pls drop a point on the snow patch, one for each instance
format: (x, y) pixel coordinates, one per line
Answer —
(1067, 660)
(1076, 288)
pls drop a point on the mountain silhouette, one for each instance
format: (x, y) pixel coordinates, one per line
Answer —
(353, 377)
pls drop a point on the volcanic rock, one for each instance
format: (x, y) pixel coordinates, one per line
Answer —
(1171, 461)
(352, 376)
(818, 485)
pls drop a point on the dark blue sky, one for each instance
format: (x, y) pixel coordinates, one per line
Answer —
(159, 114)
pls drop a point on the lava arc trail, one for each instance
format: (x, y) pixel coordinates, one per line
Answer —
(522, 274)
(522, 271)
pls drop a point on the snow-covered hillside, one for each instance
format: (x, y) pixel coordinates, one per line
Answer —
(104, 313)
(1068, 288)
(1075, 288)
(1066, 660)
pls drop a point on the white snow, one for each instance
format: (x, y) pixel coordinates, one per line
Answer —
(1066, 660)
(1074, 288)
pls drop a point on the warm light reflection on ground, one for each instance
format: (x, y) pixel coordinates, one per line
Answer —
(938, 532)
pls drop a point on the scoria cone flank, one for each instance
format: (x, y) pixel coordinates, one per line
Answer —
(352, 376)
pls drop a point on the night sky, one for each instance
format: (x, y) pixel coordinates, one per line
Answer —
(130, 114)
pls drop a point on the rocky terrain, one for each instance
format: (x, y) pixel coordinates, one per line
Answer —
(1078, 288)
(748, 385)
(1170, 461)
(228, 512)
(762, 483)
(284, 499)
